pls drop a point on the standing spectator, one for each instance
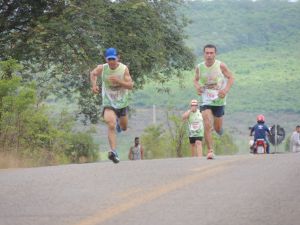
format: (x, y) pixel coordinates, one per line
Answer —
(136, 152)
(295, 140)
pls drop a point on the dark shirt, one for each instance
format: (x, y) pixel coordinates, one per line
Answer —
(260, 130)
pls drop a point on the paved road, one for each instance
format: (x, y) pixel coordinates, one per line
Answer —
(231, 190)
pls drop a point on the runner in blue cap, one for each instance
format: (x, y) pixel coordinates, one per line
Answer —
(116, 83)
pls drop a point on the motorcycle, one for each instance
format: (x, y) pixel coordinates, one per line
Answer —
(260, 146)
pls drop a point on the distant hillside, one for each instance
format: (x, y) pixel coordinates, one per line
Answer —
(236, 24)
(259, 42)
(266, 79)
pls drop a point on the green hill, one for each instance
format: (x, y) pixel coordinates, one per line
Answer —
(266, 78)
(236, 24)
(259, 43)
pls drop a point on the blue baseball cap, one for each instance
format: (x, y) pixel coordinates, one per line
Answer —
(111, 53)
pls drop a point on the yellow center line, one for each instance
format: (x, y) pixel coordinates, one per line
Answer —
(150, 195)
(130, 192)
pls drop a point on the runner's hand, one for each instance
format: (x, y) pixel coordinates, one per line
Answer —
(222, 93)
(95, 89)
(114, 80)
(200, 90)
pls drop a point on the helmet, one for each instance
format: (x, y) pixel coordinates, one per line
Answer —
(260, 118)
(194, 102)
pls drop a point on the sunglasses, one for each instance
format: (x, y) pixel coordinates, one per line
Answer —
(111, 59)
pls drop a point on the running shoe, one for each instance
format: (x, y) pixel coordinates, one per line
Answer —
(113, 156)
(210, 155)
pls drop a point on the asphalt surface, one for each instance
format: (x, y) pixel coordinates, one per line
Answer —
(230, 190)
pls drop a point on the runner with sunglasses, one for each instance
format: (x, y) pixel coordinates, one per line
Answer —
(116, 83)
(195, 126)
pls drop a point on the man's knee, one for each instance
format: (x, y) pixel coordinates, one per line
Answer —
(207, 125)
(198, 143)
(110, 118)
(111, 125)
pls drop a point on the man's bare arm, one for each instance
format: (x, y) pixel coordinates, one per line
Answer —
(196, 81)
(228, 74)
(93, 77)
(186, 115)
(127, 83)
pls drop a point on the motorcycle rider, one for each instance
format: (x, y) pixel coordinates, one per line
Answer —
(260, 130)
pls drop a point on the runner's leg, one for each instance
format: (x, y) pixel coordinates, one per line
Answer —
(218, 125)
(207, 119)
(110, 119)
(123, 120)
(268, 147)
(199, 148)
(193, 149)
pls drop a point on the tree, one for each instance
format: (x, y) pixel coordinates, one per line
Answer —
(17, 20)
(28, 131)
(153, 140)
(67, 40)
(177, 130)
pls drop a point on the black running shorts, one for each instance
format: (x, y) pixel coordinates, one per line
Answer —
(119, 112)
(194, 139)
(217, 111)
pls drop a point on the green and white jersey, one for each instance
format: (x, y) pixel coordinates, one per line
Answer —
(195, 123)
(112, 95)
(213, 80)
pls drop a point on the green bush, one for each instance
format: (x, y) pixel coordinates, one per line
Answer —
(153, 140)
(82, 148)
(30, 134)
(159, 142)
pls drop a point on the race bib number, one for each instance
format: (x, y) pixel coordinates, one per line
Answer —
(195, 126)
(115, 95)
(211, 94)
